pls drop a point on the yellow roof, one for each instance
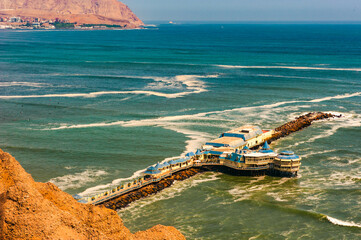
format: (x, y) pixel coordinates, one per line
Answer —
(225, 140)
(246, 127)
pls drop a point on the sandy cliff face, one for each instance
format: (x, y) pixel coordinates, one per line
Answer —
(81, 11)
(32, 210)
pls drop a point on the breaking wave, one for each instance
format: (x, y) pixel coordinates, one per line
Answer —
(191, 82)
(161, 120)
(77, 180)
(23, 84)
(195, 139)
(168, 193)
(290, 67)
(101, 188)
(349, 121)
(342, 223)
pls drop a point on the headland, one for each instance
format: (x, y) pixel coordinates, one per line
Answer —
(67, 14)
(34, 210)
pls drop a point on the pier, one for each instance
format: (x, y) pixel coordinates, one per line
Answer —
(242, 151)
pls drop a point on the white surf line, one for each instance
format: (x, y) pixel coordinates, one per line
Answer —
(77, 180)
(317, 153)
(101, 188)
(350, 120)
(191, 83)
(160, 120)
(23, 84)
(342, 223)
(289, 67)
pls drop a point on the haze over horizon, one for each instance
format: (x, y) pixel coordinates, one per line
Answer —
(246, 10)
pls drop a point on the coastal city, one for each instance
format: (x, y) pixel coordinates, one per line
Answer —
(31, 23)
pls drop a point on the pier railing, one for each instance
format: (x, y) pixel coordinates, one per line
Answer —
(137, 184)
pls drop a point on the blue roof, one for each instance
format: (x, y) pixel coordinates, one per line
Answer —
(165, 164)
(245, 148)
(198, 152)
(152, 171)
(215, 152)
(237, 135)
(266, 146)
(287, 155)
(217, 144)
(235, 157)
(158, 166)
(172, 162)
(266, 151)
(151, 168)
(190, 154)
(181, 160)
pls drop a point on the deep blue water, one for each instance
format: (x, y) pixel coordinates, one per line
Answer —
(88, 109)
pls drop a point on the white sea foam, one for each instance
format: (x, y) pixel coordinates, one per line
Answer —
(298, 77)
(195, 140)
(78, 179)
(177, 188)
(342, 223)
(317, 153)
(290, 67)
(23, 84)
(276, 196)
(342, 96)
(348, 121)
(162, 120)
(246, 192)
(191, 82)
(101, 188)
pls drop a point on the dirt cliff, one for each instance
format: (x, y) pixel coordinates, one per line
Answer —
(80, 11)
(33, 210)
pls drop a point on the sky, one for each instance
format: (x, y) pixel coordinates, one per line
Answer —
(246, 10)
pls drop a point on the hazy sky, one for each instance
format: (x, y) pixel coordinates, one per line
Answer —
(247, 10)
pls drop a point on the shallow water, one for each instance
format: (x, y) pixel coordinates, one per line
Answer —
(88, 109)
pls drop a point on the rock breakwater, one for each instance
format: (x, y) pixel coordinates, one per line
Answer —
(126, 199)
(299, 123)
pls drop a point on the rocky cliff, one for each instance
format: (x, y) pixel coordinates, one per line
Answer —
(33, 210)
(80, 11)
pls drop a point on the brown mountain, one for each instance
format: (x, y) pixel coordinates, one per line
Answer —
(80, 11)
(33, 210)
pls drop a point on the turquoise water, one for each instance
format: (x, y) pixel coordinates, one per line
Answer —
(88, 109)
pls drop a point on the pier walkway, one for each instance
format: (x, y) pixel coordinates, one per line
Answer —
(233, 150)
(140, 183)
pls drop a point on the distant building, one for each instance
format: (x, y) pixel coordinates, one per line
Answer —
(15, 19)
(36, 25)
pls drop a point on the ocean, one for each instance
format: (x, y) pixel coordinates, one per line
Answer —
(88, 110)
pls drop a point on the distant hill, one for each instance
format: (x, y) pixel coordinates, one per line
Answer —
(80, 11)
